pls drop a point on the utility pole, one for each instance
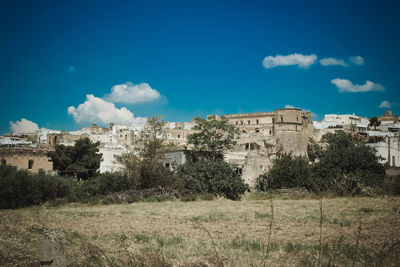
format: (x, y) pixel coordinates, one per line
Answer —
(389, 150)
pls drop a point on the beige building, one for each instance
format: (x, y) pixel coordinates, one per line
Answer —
(266, 134)
(177, 132)
(389, 116)
(27, 158)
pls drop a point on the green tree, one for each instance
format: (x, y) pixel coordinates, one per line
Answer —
(213, 176)
(144, 164)
(214, 136)
(287, 171)
(346, 164)
(375, 122)
(209, 173)
(81, 160)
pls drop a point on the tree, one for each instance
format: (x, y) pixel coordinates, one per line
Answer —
(287, 171)
(81, 160)
(346, 163)
(214, 136)
(144, 164)
(374, 121)
(213, 176)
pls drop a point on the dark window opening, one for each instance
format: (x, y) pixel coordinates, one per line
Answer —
(256, 121)
(30, 164)
(257, 130)
(167, 165)
(249, 122)
(241, 122)
(270, 132)
(236, 122)
(179, 136)
(3, 162)
(273, 120)
(247, 146)
(239, 171)
(281, 118)
(297, 118)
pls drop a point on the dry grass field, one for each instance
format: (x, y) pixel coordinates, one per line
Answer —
(250, 232)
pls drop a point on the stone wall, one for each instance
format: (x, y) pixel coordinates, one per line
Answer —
(31, 159)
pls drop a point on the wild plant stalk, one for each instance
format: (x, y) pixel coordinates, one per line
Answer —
(358, 236)
(321, 218)
(220, 262)
(271, 221)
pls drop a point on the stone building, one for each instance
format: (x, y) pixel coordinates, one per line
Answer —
(264, 135)
(177, 132)
(389, 117)
(28, 158)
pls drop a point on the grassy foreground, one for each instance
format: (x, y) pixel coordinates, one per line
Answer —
(251, 232)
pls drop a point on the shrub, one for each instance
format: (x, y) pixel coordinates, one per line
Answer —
(287, 171)
(19, 188)
(212, 176)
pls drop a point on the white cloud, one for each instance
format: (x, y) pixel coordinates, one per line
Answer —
(71, 69)
(96, 109)
(23, 126)
(347, 86)
(330, 61)
(386, 104)
(303, 61)
(357, 60)
(130, 93)
(289, 106)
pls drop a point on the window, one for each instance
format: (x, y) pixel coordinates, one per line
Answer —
(256, 121)
(236, 122)
(281, 118)
(270, 132)
(30, 164)
(257, 130)
(248, 122)
(247, 146)
(167, 165)
(297, 118)
(126, 136)
(179, 136)
(273, 120)
(239, 170)
(3, 162)
(241, 122)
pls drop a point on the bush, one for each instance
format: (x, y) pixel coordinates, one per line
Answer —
(344, 165)
(287, 172)
(212, 176)
(19, 188)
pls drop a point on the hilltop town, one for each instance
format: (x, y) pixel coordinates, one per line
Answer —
(263, 136)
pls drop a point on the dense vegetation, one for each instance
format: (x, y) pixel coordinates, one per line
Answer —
(81, 160)
(341, 164)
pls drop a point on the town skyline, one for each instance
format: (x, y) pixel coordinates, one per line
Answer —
(68, 64)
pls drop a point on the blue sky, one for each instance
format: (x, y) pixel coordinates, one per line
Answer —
(127, 60)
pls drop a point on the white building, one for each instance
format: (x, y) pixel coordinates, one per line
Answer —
(388, 150)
